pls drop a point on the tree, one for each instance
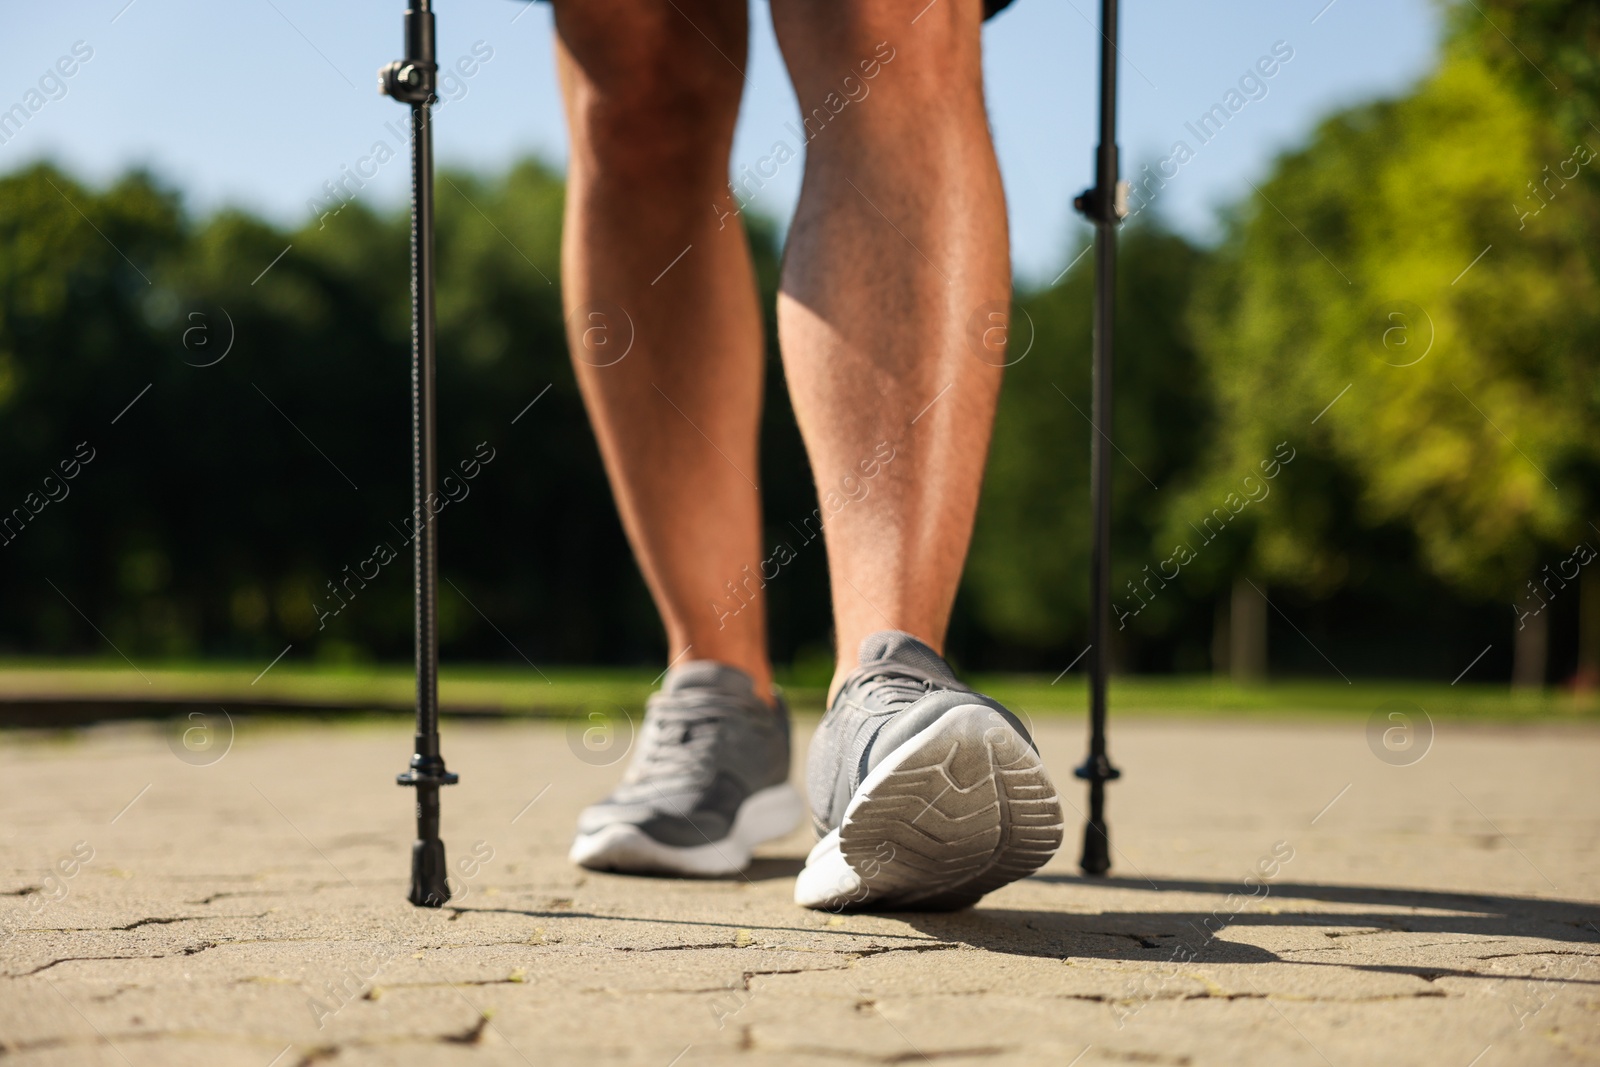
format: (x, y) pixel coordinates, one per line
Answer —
(1027, 577)
(256, 491)
(1380, 304)
(79, 273)
(1548, 51)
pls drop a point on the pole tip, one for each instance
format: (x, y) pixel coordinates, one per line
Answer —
(1096, 860)
(430, 887)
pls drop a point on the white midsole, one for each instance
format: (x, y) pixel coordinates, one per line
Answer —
(828, 882)
(768, 814)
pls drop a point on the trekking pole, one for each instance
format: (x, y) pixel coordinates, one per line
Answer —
(412, 81)
(1105, 205)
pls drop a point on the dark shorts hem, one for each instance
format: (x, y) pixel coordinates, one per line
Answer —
(991, 8)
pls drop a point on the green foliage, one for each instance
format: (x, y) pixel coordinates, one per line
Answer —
(226, 512)
(1548, 50)
(1384, 270)
(1027, 579)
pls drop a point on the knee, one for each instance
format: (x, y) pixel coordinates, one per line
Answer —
(650, 98)
(911, 49)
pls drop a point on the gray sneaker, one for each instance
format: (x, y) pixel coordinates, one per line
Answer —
(927, 795)
(709, 780)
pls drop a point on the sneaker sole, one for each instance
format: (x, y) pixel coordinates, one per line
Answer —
(767, 814)
(959, 810)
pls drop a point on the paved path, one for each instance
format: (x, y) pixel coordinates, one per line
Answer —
(249, 911)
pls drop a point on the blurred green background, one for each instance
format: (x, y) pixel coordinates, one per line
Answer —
(1356, 438)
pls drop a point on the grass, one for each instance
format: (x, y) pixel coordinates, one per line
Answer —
(565, 692)
(1202, 695)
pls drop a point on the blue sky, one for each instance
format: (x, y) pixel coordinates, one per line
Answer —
(256, 103)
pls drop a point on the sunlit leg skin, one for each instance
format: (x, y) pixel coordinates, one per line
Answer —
(899, 240)
(651, 100)
(925, 794)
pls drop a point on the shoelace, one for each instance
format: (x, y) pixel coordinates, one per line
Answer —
(677, 746)
(898, 684)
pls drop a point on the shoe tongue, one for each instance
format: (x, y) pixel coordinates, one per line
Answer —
(709, 674)
(896, 646)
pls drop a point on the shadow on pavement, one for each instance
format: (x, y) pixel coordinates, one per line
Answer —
(1157, 934)
(1468, 913)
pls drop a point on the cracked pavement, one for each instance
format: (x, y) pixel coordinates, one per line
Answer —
(1280, 896)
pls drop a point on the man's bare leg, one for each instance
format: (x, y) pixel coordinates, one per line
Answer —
(648, 261)
(892, 316)
(656, 266)
(897, 259)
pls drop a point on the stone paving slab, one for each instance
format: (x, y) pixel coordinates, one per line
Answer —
(1281, 896)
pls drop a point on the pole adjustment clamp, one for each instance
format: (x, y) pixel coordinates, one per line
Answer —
(1091, 204)
(426, 770)
(1097, 769)
(409, 81)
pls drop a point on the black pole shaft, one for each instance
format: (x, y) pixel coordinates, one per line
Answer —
(423, 403)
(427, 882)
(1104, 209)
(412, 81)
